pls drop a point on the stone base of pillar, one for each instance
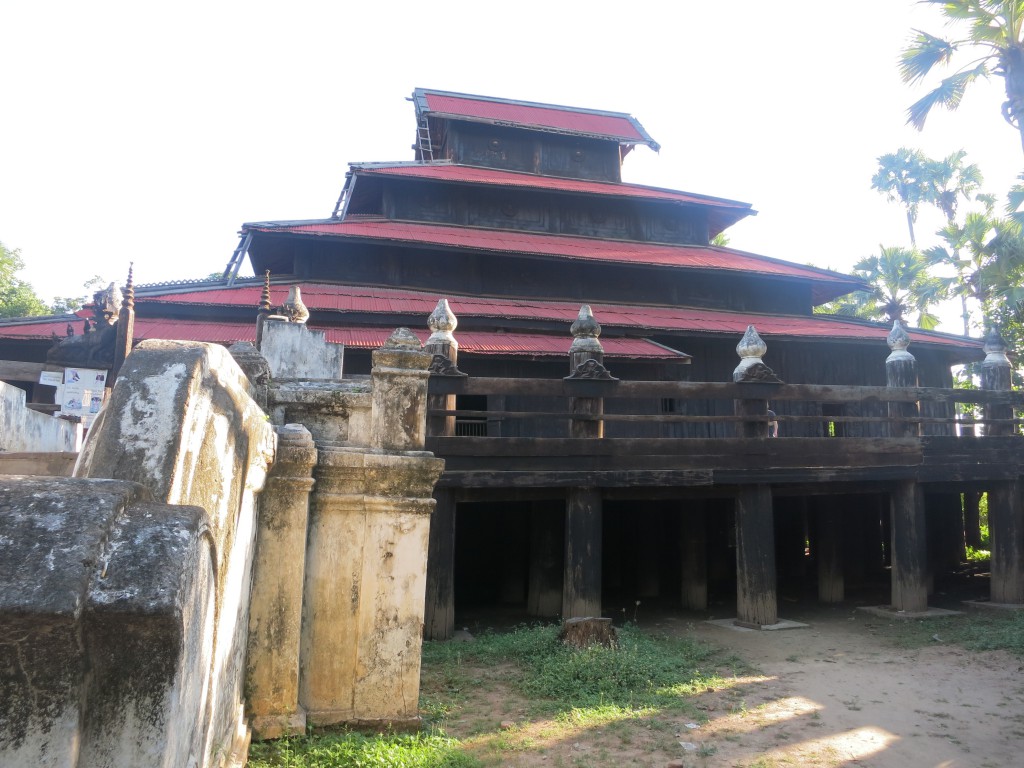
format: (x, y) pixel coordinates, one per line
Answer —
(275, 726)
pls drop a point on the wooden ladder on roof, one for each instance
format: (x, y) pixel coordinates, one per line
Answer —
(423, 142)
(235, 263)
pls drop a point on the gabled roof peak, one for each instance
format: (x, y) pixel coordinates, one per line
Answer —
(552, 118)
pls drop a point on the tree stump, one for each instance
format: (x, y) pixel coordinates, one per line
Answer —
(584, 632)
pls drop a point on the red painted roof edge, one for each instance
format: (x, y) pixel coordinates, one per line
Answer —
(371, 168)
(420, 95)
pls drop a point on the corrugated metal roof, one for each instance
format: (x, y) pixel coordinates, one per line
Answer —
(571, 120)
(479, 343)
(327, 297)
(491, 176)
(566, 246)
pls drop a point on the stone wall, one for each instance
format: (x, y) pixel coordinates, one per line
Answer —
(25, 430)
(180, 421)
(106, 608)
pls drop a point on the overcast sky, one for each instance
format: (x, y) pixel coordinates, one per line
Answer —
(149, 132)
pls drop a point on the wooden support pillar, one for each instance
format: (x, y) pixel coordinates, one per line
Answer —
(756, 599)
(909, 541)
(829, 555)
(439, 610)
(515, 537)
(1006, 538)
(581, 586)
(1005, 509)
(693, 547)
(649, 535)
(972, 519)
(909, 549)
(544, 589)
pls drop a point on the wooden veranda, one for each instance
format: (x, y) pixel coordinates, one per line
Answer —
(900, 441)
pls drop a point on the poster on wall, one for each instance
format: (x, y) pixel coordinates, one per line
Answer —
(83, 393)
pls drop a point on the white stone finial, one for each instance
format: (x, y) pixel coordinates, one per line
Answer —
(995, 349)
(294, 308)
(750, 349)
(585, 330)
(442, 322)
(898, 341)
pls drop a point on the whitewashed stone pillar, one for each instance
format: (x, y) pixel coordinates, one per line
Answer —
(275, 609)
(366, 556)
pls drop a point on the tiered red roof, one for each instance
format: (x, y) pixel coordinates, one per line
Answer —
(576, 121)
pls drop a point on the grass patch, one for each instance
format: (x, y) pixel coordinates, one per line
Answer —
(597, 689)
(643, 672)
(976, 632)
(341, 750)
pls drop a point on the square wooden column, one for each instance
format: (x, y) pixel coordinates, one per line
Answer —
(756, 599)
(1006, 531)
(693, 547)
(909, 549)
(439, 606)
(581, 586)
(828, 541)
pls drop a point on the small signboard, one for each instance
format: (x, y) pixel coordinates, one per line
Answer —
(51, 378)
(83, 393)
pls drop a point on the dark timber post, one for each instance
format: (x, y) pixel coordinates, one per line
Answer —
(581, 586)
(1005, 512)
(909, 543)
(544, 590)
(694, 549)
(439, 610)
(756, 601)
(125, 327)
(829, 543)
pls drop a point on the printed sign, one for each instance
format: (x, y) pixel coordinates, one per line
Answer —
(83, 393)
(51, 378)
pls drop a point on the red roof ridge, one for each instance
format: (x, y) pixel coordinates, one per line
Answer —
(556, 118)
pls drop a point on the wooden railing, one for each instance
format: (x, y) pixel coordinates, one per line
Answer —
(641, 402)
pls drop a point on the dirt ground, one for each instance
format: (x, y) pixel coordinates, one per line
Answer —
(836, 693)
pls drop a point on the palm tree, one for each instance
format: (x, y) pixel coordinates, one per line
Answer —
(902, 177)
(992, 30)
(950, 179)
(900, 284)
(988, 256)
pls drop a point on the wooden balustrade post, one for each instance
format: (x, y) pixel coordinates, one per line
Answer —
(909, 543)
(581, 585)
(1005, 510)
(439, 610)
(756, 598)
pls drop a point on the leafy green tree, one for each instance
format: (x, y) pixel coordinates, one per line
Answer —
(17, 299)
(987, 253)
(989, 33)
(900, 285)
(903, 177)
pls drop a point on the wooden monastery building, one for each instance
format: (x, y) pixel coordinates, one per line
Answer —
(648, 474)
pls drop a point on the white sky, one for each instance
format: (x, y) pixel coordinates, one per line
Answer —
(149, 132)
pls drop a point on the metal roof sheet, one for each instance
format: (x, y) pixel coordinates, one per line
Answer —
(491, 176)
(479, 343)
(566, 246)
(329, 297)
(596, 123)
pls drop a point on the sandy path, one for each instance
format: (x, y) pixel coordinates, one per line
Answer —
(837, 694)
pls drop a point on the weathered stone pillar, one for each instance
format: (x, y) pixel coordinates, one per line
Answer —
(366, 556)
(909, 542)
(275, 609)
(1005, 510)
(398, 415)
(829, 554)
(694, 550)
(439, 611)
(756, 599)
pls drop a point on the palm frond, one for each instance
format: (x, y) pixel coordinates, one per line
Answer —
(922, 54)
(948, 94)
